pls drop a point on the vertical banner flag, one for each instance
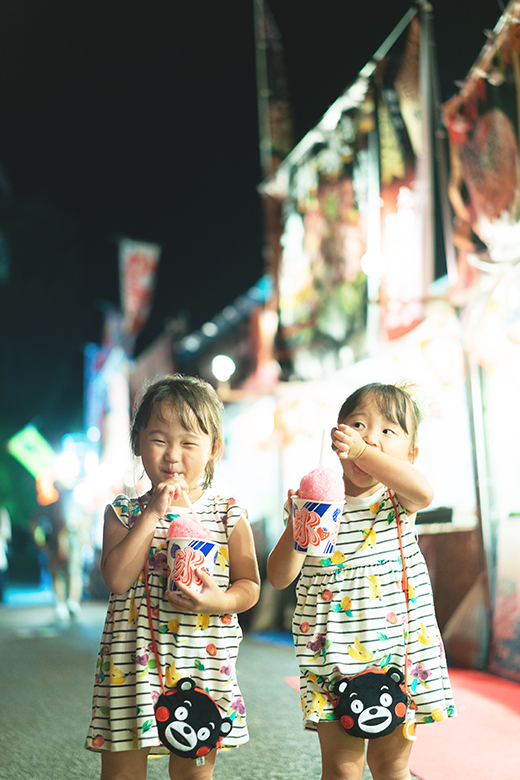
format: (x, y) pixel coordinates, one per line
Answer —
(137, 268)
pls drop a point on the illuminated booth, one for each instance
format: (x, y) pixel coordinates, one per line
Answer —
(362, 295)
(483, 126)
(367, 292)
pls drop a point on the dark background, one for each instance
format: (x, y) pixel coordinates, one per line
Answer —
(140, 119)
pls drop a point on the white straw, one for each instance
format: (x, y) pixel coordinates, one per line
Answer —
(322, 450)
(190, 505)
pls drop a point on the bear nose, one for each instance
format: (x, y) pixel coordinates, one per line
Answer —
(373, 710)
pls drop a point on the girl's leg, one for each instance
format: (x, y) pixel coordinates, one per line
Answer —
(124, 765)
(187, 769)
(388, 757)
(342, 756)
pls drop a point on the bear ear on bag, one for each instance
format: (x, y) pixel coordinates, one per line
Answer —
(395, 674)
(189, 721)
(371, 704)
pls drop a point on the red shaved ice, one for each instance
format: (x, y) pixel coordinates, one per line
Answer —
(322, 484)
(187, 527)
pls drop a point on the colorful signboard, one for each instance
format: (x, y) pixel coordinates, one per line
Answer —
(357, 189)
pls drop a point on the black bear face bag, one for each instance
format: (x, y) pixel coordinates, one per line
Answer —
(371, 704)
(188, 720)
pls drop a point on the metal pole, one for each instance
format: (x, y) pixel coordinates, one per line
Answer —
(480, 470)
(262, 88)
(373, 238)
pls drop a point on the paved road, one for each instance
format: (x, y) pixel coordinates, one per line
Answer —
(46, 678)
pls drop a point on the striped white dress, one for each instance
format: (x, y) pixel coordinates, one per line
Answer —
(351, 613)
(204, 647)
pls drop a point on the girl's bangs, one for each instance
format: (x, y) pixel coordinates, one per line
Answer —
(393, 407)
(188, 418)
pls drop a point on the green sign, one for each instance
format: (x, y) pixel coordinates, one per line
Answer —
(32, 450)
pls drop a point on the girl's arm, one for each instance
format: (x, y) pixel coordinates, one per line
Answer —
(284, 562)
(409, 484)
(125, 549)
(243, 569)
(244, 589)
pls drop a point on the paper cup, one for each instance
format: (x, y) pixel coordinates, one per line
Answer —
(315, 525)
(186, 555)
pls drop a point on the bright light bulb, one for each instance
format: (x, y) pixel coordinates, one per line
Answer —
(67, 465)
(82, 494)
(93, 433)
(374, 264)
(223, 367)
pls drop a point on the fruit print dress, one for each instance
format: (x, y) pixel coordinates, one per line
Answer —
(204, 647)
(351, 613)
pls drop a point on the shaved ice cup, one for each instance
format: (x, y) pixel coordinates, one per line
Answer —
(315, 525)
(186, 555)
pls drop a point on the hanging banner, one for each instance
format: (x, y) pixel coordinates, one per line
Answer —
(405, 178)
(358, 187)
(137, 269)
(483, 128)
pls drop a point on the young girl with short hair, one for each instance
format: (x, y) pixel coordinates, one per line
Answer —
(352, 614)
(177, 433)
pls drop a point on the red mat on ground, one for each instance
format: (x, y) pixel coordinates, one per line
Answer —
(481, 743)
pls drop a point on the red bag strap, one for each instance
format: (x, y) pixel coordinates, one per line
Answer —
(149, 611)
(404, 585)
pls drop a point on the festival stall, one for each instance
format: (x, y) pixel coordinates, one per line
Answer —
(358, 300)
(483, 124)
(275, 438)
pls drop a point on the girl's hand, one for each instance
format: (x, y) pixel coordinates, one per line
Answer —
(347, 443)
(211, 600)
(244, 580)
(166, 494)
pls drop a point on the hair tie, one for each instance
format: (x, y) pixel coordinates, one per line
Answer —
(428, 408)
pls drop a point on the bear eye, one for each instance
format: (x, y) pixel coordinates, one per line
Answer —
(385, 700)
(203, 734)
(356, 706)
(181, 713)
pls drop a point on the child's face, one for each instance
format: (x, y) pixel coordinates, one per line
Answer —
(377, 431)
(166, 448)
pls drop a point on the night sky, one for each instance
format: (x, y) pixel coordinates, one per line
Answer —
(140, 119)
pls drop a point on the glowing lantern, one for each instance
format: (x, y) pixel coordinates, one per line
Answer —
(46, 493)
